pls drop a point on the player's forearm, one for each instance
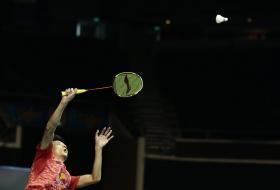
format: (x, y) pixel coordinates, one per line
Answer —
(97, 165)
(95, 175)
(56, 116)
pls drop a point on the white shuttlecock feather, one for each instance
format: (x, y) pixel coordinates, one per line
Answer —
(220, 19)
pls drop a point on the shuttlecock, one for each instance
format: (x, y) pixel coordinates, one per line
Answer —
(220, 19)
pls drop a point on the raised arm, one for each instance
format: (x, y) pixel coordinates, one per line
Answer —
(55, 118)
(100, 141)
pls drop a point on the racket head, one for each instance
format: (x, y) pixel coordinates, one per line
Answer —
(127, 84)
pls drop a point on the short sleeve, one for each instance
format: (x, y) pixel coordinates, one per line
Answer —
(41, 157)
(43, 153)
(74, 181)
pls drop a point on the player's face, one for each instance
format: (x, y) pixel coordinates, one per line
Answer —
(60, 150)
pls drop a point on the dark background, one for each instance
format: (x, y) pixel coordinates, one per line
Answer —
(202, 80)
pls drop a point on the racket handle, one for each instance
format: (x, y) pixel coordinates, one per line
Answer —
(79, 91)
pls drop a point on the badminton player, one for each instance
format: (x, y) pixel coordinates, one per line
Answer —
(48, 171)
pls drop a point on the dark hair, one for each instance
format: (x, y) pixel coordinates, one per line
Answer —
(58, 138)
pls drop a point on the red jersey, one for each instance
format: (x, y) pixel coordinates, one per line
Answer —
(49, 174)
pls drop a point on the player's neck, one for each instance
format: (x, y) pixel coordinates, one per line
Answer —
(59, 158)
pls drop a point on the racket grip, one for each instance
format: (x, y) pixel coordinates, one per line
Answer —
(79, 91)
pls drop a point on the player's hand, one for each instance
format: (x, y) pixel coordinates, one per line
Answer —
(70, 93)
(102, 138)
